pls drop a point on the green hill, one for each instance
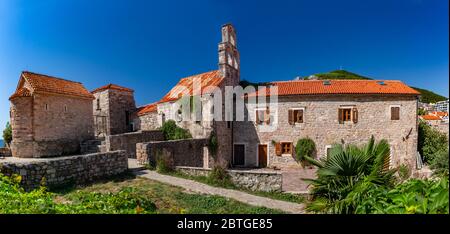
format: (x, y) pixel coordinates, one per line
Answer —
(426, 95)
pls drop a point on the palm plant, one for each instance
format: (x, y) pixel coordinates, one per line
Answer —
(345, 175)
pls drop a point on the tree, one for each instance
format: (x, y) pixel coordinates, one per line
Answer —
(7, 134)
(421, 111)
(172, 132)
(305, 147)
(348, 172)
(430, 142)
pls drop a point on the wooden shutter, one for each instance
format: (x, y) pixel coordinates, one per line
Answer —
(341, 115)
(355, 115)
(292, 148)
(257, 117)
(395, 113)
(291, 117)
(267, 116)
(300, 114)
(278, 149)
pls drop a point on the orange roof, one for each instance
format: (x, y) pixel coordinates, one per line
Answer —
(21, 92)
(310, 87)
(147, 109)
(207, 79)
(47, 84)
(439, 113)
(430, 117)
(112, 86)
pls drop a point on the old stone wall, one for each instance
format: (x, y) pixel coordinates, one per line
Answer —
(128, 141)
(147, 122)
(50, 125)
(322, 125)
(189, 152)
(5, 152)
(253, 180)
(65, 170)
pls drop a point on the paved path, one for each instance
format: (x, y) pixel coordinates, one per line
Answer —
(197, 187)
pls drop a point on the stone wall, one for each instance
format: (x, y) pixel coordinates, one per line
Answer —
(147, 122)
(5, 152)
(128, 141)
(189, 152)
(253, 180)
(321, 124)
(65, 170)
(50, 125)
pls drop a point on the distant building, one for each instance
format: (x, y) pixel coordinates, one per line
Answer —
(442, 106)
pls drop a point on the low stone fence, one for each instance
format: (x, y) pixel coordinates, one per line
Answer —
(254, 180)
(188, 152)
(67, 170)
(5, 152)
(128, 141)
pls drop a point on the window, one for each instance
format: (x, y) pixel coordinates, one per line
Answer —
(65, 108)
(46, 107)
(127, 118)
(347, 115)
(163, 118)
(228, 124)
(98, 104)
(395, 113)
(263, 116)
(286, 148)
(295, 116)
(328, 150)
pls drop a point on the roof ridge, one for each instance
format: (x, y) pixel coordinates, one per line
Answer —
(53, 77)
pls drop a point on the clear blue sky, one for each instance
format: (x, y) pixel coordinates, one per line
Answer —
(149, 45)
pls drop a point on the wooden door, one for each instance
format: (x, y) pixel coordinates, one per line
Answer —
(239, 155)
(262, 155)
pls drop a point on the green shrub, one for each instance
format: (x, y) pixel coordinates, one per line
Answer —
(430, 142)
(172, 132)
(163, 164)
(213, 144)
(220, 176)
(305, 147)
(7, 134)
(440, 163)
(404, 172)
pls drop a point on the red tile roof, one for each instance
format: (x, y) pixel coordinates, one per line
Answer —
(47, 84)
(207, 79)
(310, 87)
(153, 107)
(112, 86)
(21, 92)
(439, 113)
(430, 117)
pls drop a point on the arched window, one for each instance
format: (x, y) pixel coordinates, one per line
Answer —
(98, 104)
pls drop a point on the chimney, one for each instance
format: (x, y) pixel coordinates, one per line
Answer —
(229, 59)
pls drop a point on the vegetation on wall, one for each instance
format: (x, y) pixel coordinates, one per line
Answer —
(305, 147)
(439, 165)
(431, 142)
(172, 132)
(7, 134)
(213, 144)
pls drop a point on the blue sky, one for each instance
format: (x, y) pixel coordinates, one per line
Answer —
(149, 45)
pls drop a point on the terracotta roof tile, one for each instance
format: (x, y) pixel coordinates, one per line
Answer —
(430, 117)
(439, 113)
(47, 84)
(310, 87)
(152, 107)
(112, 86)
(207, 79)
(21, 92)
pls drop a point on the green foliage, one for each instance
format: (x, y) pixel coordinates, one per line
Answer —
(163, 164)
(219, 176)
(305, 148)
(213, 144)
(245, 83)
(421, 111)
(431, 141)
(172, 132)
(7, 133)
(412, 197)
(427, 96)
(347, 170)
(341, 75)
(404, 172)
(440, 163)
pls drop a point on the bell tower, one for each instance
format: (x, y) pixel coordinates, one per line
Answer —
(229, 60)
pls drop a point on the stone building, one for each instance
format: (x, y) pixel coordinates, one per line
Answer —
(329, 112)
(169, 107)
(113, 109)
(49, 116)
